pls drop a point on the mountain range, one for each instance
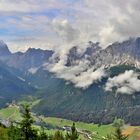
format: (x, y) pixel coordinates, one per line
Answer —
(87, 83)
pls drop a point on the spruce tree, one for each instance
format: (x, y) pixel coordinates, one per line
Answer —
(73, 135)
(27, 131)
(14, 132)
(43, 135)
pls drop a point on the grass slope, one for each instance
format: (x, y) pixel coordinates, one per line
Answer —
(10, 113)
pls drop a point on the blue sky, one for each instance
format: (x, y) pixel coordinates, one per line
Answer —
(51, 23)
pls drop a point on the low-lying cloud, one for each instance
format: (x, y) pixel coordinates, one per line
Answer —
(81, 75)
(125, 83)
(87, 78)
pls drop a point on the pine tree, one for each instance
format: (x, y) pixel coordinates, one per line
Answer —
(73, 135)
(43, 135)
(14, 132)
(27, 131)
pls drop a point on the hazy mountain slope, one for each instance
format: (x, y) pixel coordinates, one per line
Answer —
(91, 105)
(11, 86)
(40, 79)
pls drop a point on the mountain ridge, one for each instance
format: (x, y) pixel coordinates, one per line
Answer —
(92, 52)
(60, 97)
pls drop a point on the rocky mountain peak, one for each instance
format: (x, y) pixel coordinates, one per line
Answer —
(4, 48)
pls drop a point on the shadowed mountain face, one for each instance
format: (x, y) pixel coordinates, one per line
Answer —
(93, 104)
(27, 73)
(13, 67)
(12, 87)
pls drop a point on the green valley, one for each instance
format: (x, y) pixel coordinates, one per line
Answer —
(52, 124)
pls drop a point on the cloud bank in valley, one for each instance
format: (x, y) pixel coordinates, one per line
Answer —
(125, 83)
(81, 75)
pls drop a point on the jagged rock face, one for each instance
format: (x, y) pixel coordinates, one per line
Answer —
(127, 52)
(77, 53)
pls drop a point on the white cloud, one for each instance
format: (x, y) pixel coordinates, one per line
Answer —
(108, 21)
(81, 20)
(87, 78)
(125, 83)
(26, 6)
(65, 30)
(81, 75)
